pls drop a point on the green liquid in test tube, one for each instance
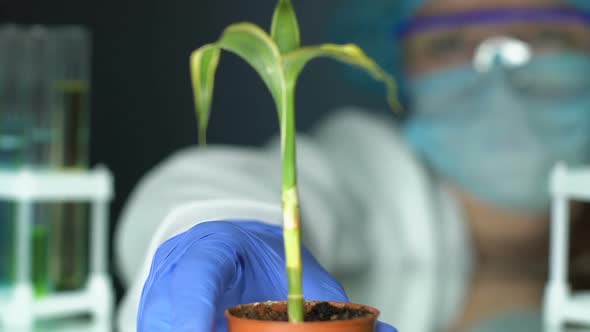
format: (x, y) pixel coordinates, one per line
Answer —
(40, 241)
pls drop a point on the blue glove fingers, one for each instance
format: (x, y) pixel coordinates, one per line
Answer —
(198, 274)
(187, 279)
(153, 312)
(318, 284)
(198, 283)
(382, 327)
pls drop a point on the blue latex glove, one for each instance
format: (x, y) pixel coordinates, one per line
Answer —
(198, 274)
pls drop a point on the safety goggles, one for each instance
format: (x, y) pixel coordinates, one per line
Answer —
(478, 37)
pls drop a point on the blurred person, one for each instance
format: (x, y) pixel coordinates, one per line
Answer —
(497, 93)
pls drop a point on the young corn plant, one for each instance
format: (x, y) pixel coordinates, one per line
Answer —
(278, 58)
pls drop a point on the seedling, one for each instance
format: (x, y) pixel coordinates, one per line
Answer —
(278, 58)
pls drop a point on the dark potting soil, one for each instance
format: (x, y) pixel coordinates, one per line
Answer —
(321, 312)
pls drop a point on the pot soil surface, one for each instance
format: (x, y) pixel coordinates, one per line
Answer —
(315, 312)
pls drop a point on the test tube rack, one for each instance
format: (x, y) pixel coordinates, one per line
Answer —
(24, 187)
(561, 304)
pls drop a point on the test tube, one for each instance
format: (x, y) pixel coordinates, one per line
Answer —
(76, 94)
(13, 123)
(70, 226)
(38, 103)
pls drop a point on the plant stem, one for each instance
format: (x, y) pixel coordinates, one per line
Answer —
(291, 215)
(202, 134)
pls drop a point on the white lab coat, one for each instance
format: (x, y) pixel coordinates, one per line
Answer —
(372, 215)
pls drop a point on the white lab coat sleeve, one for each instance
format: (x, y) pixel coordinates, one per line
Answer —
(189, 176)
(393, 204)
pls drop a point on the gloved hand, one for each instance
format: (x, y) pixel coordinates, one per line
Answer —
(198, 274)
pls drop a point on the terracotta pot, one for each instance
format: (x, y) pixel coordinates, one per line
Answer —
(364, 324)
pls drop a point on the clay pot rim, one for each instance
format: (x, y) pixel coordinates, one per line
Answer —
(362, 320)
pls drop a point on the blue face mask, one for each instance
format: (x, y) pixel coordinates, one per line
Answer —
(498, 134)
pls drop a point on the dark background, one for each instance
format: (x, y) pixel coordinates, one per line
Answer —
(142, 106)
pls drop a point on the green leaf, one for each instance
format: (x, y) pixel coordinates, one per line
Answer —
(285, 29)
(295, 61)
(257, 48)
(203, 64)
(254, 46)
